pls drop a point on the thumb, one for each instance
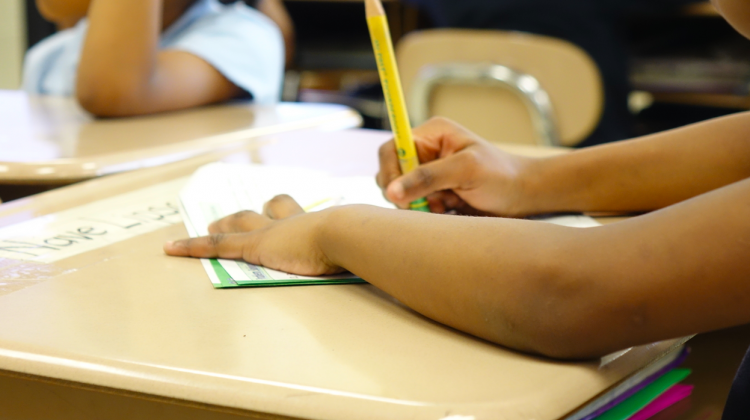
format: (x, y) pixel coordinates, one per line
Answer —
(438, 175)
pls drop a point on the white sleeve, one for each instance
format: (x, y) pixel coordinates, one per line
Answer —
(243, 45)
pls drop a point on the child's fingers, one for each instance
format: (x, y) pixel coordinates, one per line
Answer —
(389, 166)
(244, 221)
(437, 205)
(229, 246)
(438, 175)
(281, 207)
(444, 201)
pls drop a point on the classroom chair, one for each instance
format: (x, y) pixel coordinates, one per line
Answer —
(509, 87)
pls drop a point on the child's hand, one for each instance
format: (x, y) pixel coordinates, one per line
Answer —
(283, 238)
(460, 171)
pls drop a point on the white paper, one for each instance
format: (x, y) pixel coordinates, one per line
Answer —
(572, 220)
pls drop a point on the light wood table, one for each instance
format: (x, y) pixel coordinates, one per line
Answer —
(51, 141)
(122, 331)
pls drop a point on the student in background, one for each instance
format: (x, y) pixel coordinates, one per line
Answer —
(559, 291)
(133, 57)
(597, 26)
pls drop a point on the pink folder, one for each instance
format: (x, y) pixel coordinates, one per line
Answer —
(672, 396)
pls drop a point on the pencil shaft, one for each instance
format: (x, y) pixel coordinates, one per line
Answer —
(394, 95)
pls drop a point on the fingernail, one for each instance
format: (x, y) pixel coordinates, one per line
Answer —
(169, 244)
(397, 190)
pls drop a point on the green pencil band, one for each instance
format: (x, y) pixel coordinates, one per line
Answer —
(420, 205)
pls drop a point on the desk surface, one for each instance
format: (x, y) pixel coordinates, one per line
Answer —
(51, 140)
(127, 318)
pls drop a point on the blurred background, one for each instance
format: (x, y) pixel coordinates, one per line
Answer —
(13, 42)
(684, 63)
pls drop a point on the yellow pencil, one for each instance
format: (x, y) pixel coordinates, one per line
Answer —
(394, 94)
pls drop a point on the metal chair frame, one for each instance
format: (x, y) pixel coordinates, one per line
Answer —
(525, 86)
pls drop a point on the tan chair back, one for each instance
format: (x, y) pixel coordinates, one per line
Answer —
(512, 111)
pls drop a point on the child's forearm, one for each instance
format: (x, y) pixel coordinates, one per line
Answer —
(487, 276)
(562, 292)
(123, 73)
(643, 174)
(119, 54)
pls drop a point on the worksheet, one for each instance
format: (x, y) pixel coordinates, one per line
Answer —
(217, 190)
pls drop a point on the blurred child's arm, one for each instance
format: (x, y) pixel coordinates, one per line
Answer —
(277, 12)
(122, 72)
(64, 13)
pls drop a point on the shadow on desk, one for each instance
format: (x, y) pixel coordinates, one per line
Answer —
(14, 192)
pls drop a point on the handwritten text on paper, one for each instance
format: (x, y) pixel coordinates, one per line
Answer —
(81, 229)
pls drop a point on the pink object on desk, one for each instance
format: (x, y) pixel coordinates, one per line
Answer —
(671, 397)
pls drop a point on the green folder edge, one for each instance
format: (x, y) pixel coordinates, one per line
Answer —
(644, 397)
(228, 282)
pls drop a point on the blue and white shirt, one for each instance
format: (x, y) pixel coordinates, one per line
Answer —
(241, 43)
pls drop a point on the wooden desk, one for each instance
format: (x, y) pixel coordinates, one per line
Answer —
(123, 331)
(52, 141)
